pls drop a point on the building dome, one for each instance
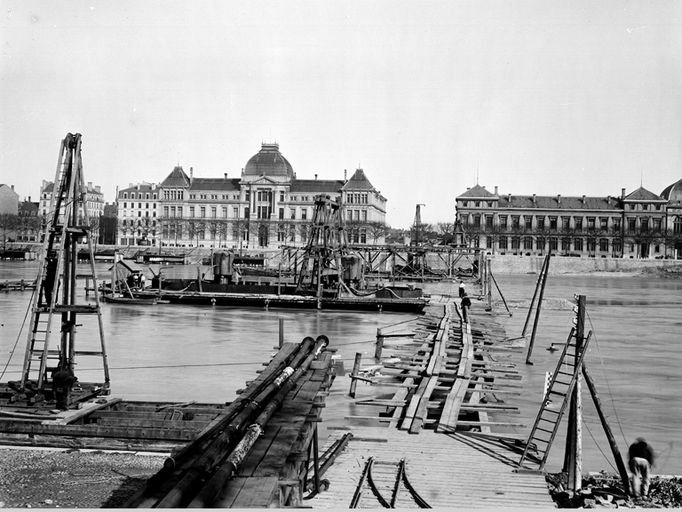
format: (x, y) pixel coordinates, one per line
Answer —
(673, 193)
(268, 162)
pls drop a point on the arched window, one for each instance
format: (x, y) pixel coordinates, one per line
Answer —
(677, 225)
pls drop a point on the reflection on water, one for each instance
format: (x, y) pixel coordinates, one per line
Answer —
(183, 353)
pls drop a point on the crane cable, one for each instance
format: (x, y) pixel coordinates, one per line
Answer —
(23, 323)
(608, 385)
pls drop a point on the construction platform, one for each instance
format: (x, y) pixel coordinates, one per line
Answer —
(443, 470)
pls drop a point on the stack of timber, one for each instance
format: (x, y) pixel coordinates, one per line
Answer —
(450, 377)
(106, 424)
(255, 453)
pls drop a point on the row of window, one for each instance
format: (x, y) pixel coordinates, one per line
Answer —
(530, 222)
(139, 205)
(567, 244)
(357, 198)
(139, 195)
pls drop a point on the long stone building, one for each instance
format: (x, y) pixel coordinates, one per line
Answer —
(266, 207)
(641, 224)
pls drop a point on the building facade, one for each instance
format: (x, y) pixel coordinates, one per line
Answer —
(636, 225)
(137, 211)
(9, 200)
(28, 225)
(266, 207)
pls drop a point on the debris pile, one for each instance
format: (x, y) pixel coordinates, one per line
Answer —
(605, 490)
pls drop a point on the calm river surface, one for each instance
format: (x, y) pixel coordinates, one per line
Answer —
(184, 353)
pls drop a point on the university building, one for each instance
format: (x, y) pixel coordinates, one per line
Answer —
(641, 224)
(266, 207)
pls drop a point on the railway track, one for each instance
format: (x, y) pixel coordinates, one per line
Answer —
(386, 483)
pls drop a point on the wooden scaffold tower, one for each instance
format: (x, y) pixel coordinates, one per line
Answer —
(326, 255)
(56, 314)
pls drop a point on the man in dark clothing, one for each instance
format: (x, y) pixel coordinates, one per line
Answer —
(641, 458)
(466, 304)
(462, 291)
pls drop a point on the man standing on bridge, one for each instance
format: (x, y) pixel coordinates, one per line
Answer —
(641, 459)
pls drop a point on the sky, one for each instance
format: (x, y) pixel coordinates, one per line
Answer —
(428, 97)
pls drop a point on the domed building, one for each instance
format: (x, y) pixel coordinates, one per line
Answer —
(265, 207)
(673, 194)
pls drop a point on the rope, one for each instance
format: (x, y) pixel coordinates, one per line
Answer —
(608, 384)
(167, 366)
(11, 354)
(599, 447)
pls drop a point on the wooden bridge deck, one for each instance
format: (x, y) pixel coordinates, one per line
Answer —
(446, 470)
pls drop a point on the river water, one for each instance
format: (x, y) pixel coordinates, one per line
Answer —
(193, 353)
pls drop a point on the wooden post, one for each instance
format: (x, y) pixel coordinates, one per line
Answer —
(537, 312)
(607, 430)
(535, 293)
(356, 371)
(489, 292)
(279, 278)
(159, 280)
(281, 332)
(199, 278)
(573, 457)
(379, 345)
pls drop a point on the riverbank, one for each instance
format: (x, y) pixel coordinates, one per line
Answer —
(51, 478)
(509, 264)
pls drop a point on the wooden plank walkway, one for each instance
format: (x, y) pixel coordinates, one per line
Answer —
(446, 470)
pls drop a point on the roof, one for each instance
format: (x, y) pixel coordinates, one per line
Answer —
(477, 192)
(558, 202)
(319, 186)
(141, 187)
(642, 194)
(221, 184)
(673, 193)
(268, 162)
(177, 178)
(358, 182)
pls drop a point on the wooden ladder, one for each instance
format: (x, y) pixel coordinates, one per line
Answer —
(561, 385)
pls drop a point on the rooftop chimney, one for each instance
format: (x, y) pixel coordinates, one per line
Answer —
(12, 187)
(583, 198)
(495, 189)
(558, 198)
(622, 193)
(225, 175)
(345, 175)
(468, 188)
(191, 174)
(316, 176)
(533, 198)
(509, 197)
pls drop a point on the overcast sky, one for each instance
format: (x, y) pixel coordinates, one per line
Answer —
(545, 97)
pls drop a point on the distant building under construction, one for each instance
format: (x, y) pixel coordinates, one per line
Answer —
(637, 225)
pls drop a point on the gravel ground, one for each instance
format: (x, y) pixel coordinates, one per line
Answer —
(35, 478)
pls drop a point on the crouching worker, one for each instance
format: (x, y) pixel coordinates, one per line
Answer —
(641, 458)
(62, 381)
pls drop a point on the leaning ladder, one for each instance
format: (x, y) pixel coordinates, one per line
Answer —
(561, 385)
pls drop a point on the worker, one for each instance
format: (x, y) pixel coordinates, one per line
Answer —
(62, 380)
(142, 281)
(641, 458)
(462, 291)
(466, 304)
